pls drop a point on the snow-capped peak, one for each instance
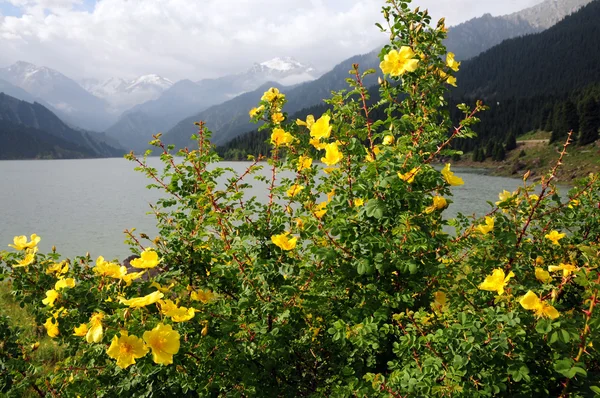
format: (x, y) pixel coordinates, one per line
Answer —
(283, 64)
(150, 80)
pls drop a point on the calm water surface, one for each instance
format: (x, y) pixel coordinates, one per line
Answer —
(84, 205)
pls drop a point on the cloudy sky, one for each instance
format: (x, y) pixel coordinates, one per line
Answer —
(201, 38)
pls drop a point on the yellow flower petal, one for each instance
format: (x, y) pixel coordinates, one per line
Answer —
(126, 349)
(148, 259)
(450, 178)
(283, 242)
(164, 343)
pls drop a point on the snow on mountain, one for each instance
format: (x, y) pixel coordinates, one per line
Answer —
(123, 94)
(73, 103)
(149, 82)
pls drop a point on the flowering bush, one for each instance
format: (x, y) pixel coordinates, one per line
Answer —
(341, 281)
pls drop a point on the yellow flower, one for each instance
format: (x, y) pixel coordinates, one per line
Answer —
(533, 198)
(332, 154)
(294, 190)
(321, 128)
(283, 242)
(396, 63)
(388, 140)
(451, 62)
(177, 314)
(358, 202)
(542, 275)
(20, 242)
(451, 80)
(272, 95)
(574, 203)
(28, 259)
(299, 223)
(63, 283)
(504, 196)
(439, 203)
(567, 269)
(255, 111)
(304, 162)
(496, 282)
(531, 301)
(129, 278)
(320, 209)
(104, 268)
(539, 260)
(139, 302)
(95, 332)
(277, 117)
(126, 349)
(204, 296)
(51, 296)
(310, 120)
(164, 342)
(371, 157)
(487, 227)
(554, 236)
(409, 177)
(58, 268)
(148, 259)
(440, 301)
(51, 327)
(450, 177)
(330, 195)
(80, 330)
(317, 143)
(160, 288)
(280, 137)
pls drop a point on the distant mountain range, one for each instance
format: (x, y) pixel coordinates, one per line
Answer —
(123, 94)
(186, 97)
(30, 130)
(73, 104)
(131, 110)
(479, 34)
(545, 81)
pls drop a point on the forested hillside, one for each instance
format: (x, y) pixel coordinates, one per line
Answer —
(35, 120)
(548, 81)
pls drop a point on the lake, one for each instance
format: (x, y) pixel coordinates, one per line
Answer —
(84, 205)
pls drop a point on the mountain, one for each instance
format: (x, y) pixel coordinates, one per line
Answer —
(473, 37)
(41, 125)
(123, 94)
(465, 40)
(184, 98)
(21, 142)
(558, 60)
(73, 104)
(546, 81)
(230, 119)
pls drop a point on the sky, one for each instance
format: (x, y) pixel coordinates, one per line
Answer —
(197, 39)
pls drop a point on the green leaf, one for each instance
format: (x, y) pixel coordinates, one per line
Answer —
(374, 208)
(544, 326)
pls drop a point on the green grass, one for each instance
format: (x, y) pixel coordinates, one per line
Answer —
(49, 351)
(540, 158)
(535, 135)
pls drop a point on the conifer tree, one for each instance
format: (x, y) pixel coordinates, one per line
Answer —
(589, 122)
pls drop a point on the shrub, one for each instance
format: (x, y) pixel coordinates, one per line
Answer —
(342, 280)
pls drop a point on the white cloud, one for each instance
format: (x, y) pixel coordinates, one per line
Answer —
(204, 38)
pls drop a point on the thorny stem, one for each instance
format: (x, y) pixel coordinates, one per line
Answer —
(583, 336)
(545, 185)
